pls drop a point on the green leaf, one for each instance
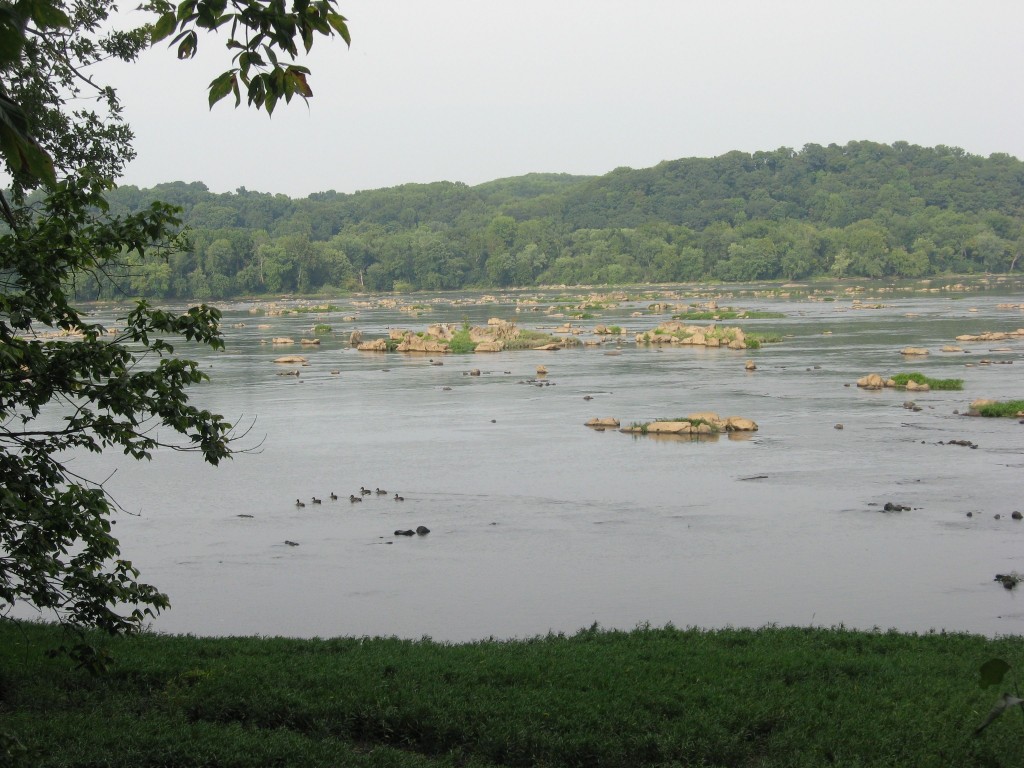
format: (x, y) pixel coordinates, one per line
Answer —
(300, 85)
(993, 671)
(187, 46)
(12, 38)
(50, 16)
(164, 26)
(21, 152)
(220, 87)
(337, 21)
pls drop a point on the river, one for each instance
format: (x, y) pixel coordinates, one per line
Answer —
(539, 524)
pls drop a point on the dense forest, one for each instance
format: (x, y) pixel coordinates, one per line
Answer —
(863, 209)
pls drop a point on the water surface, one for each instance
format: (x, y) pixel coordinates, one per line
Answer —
(539, 524)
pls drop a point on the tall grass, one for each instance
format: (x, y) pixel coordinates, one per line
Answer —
(461, 343)
(901, 380)
(650, 697)
(1005, 408)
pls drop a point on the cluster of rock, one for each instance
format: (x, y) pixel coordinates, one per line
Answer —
(875, 381)
(993, 336)
(285, 340)
(676, 332)
(437, 337)
(892, 507)
(704, 423)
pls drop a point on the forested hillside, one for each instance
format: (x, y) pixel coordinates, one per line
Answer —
(863, 209)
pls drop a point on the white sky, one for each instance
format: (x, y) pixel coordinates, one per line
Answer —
(475, 90)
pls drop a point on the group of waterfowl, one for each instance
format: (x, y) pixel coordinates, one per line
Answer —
(353, 498)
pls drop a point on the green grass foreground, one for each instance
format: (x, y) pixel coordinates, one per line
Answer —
(650, 697)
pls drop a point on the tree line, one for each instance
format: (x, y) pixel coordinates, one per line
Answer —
(859, 210)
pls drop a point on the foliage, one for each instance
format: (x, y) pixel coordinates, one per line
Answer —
(901, 380)
(460, 343)
(1011, 408)
(796, 697)
(530, 339)
(856, 210)
(755, 340)
(259, 31)
(68, 384)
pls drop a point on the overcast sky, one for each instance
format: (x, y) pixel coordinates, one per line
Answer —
(475, 90)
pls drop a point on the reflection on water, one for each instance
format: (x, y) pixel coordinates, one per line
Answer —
(539, 524)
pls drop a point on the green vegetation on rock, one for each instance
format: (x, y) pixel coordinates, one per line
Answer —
(528, 339)
(461, 343)
(1010, 408)
(755, 340)
(901, 380)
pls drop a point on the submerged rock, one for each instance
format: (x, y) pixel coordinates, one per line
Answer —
(891, 507)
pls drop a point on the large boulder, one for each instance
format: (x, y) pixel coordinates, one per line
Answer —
(490, 346)
(377, 345)
(602, 422)
(672, 428)
(709, 416)
(740, 424)
(412, 343)
(871, 381)
(290, 359)
(914, 351)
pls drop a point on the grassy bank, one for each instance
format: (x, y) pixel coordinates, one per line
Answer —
(651, 697)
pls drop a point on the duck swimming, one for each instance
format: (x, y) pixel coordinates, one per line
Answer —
(399, 498)
(316, 500)
(354, 499)
(299, 503)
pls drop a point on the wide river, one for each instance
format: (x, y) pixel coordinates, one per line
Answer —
(540, 524)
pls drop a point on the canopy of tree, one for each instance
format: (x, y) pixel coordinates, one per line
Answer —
(863, 209)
